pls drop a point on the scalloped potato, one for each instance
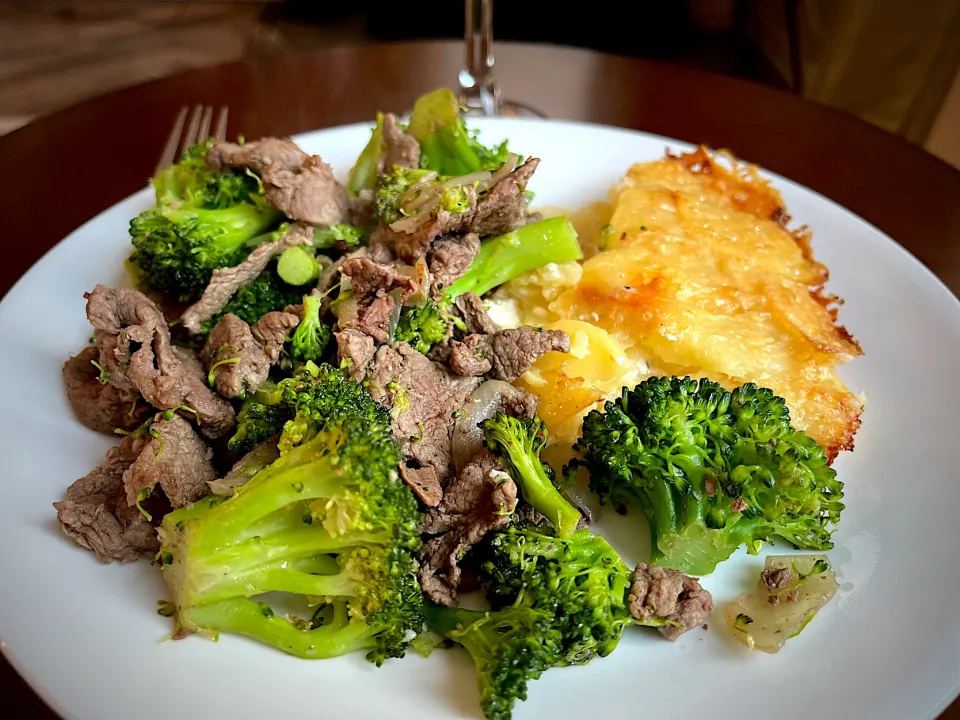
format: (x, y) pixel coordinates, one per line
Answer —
(695, 274)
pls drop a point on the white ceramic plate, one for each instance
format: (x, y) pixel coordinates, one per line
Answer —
(88, 638)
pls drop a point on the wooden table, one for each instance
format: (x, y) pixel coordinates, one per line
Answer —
(62, 170)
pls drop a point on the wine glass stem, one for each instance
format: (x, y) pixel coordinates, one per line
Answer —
(477, 86)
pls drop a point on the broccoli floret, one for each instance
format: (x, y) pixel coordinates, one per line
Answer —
(397, 186)
(711, 469)
(423, 326)
(312, 335)
(519, 442)
(581, 581)
(555, 603)
(268, 293)
(446, 146)
(341, 237)
(203, 219)
(510, 647)
(329, 520)
(266, 412)
(507, 256)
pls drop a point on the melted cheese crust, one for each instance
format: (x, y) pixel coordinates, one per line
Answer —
(695, 274)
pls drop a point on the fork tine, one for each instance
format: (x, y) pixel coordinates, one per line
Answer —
(191, 137)
(222, 125)
(204, 132)
(170, 149)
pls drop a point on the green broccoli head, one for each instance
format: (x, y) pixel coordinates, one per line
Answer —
(329, 520)
(711, 469)
(397, 187)
(446, 145)
(268, 293)
(581, 581)
(510, 647)
(202, 220)
(519, 442)
(423, 326)
(312, 336)
(342, 237)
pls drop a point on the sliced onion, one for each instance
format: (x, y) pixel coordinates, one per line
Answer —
(397, 295)
(509, 165)
(347, 311)
(482, 176)
(483, 405)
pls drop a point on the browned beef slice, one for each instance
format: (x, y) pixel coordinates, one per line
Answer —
(450, 257)
(410, 237)
(360, 209)
(357, 349)
(309, 193)
(371, 282)
(246, 467)
(369, 278)
(424, 429)
(503, 208)
(374, 319)
(423, 481)
(380, 245)
(481, 499)
(475, 317)
(505, 355)
(240, 356)
(95, 515)
(258, 155)
(134, 342)
(662, 594)
(401, 149)
(272, 330)
(101, 407)
(176, 460)
(226, 281)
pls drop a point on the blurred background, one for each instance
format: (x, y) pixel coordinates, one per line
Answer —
(892, 63)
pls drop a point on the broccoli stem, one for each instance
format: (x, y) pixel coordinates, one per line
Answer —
(505, 257)
(437, 125)
(230, 228)
(296, 266)
(244, 616)
(363, 175)
(508, 438)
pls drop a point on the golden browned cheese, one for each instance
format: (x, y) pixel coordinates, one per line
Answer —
(697, 275)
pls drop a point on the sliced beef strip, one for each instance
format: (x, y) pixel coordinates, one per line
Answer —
(256, 350)
(357, 349)
(360, 210)
(480, 500)
(257, 155)
(449, 258)
(503, 208)
(401, 149)
(176, 459)
(134, 343)
(380, 245)
(410, 237)
(370, 278)
(471, 310)
(101, 407)
(246, 467)
(272, 330)
(432, 395)
(659, 593)
(505, 355)
(309, 193)
(371, 282)
(226, 281)
(95, 515)
(424, 483)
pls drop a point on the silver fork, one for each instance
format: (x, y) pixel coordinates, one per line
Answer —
(197, 129)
